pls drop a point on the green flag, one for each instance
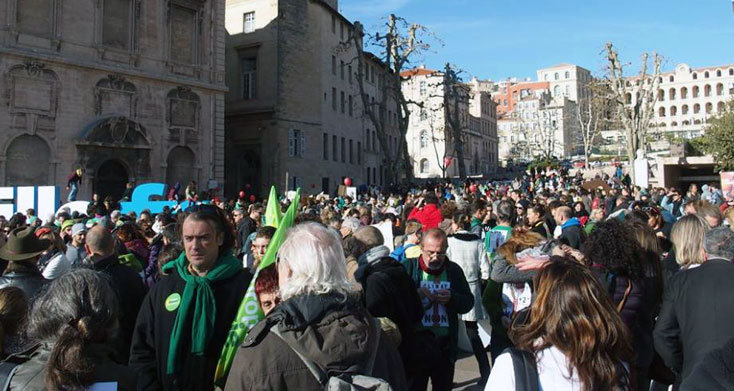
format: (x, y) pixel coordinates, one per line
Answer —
(249, 312)
(272, 213)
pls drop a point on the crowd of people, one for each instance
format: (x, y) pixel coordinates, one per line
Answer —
(557, 283)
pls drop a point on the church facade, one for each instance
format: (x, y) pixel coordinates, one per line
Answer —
(127, 90)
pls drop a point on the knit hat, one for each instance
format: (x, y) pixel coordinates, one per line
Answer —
(66, 224)
(77, 228)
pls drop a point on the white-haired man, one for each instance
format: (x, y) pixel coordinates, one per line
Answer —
(320, 316)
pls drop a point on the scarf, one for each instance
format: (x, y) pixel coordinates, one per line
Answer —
(373, 255)
(428, 270)
(199, 295)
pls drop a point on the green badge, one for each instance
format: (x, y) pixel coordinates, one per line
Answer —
(173, 301)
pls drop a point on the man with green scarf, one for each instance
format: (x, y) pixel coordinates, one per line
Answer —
(185, 318)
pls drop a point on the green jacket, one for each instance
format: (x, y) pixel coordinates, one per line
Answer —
(461, 302)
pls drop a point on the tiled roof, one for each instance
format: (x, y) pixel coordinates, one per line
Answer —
(417, 72)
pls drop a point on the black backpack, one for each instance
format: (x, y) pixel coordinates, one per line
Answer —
(525, 368)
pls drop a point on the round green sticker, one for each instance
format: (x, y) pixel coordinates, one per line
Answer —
(173, 301)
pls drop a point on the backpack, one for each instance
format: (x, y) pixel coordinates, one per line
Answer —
(10, 365)
(525, 368)
(345, 381)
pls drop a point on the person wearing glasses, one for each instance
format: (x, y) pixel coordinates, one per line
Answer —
(185, 318)
(445, 295)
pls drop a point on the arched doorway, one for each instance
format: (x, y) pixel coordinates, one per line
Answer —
(110, 179)
(28, 161)
(180, 167)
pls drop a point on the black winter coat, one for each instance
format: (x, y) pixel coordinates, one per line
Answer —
(334, 333)
(130, 292)
(151, 337)
(389, 292)
(696, 316)
(23, 275)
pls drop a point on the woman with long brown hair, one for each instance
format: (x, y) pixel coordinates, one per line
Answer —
(574, 332)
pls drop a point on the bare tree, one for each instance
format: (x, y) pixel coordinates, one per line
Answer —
(634, 100)
(592, 114)
(455, 101)
(401, 43)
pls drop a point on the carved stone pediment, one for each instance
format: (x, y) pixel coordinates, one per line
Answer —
(115, 131)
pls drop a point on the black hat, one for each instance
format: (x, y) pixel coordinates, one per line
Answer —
(23, 244)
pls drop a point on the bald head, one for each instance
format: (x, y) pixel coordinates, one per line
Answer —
(369, 236)
(100, 242)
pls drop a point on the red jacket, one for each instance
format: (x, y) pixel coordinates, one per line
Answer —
(429, 216)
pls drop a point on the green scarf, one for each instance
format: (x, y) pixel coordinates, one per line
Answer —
(199, 293)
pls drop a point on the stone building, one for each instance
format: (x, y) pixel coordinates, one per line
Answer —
(128, 90)
(686, 99)
(294, 113)
(429, 136)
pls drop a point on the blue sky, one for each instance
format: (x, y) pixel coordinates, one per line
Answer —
(499, 39)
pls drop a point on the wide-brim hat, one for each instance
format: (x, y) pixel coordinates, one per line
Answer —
(23, 244)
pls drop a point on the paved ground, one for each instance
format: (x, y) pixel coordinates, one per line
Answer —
(466, 374)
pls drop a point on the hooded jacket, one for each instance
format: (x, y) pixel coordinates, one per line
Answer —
(332, 332)
(429, 216)
(572, 233)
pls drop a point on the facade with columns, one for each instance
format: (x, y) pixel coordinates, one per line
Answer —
(128, 90)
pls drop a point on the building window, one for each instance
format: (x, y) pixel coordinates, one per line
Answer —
(341, 31)
(344, 150)
(249, 77)
(116, 24)
(424, 166)
(706, 75)
(249, 22)
(424, 139)
(184, 33)
(684, 109)
(671, 78)
(333, 99)
(695, 91)
(684, 93)
(351, 152)
(555, 77)
(350, 105)
(343, 101)
(333, 24)
(673, 111)
(696, 108)
(333, 148)
(35, 17)
(709, 107)
(341, 69)
(333, 65)
(719, 89)
(374, 141)
(707, 90)
(359, 152)
(422, 87)
(695, 76)
(671, 94)
(567, 75)
(296, 143)
(326, 146)
(349, 75)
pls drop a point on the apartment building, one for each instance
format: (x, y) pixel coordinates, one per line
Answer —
(430, 138)
(294, 113)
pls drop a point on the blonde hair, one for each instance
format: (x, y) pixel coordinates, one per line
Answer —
(687, 237)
